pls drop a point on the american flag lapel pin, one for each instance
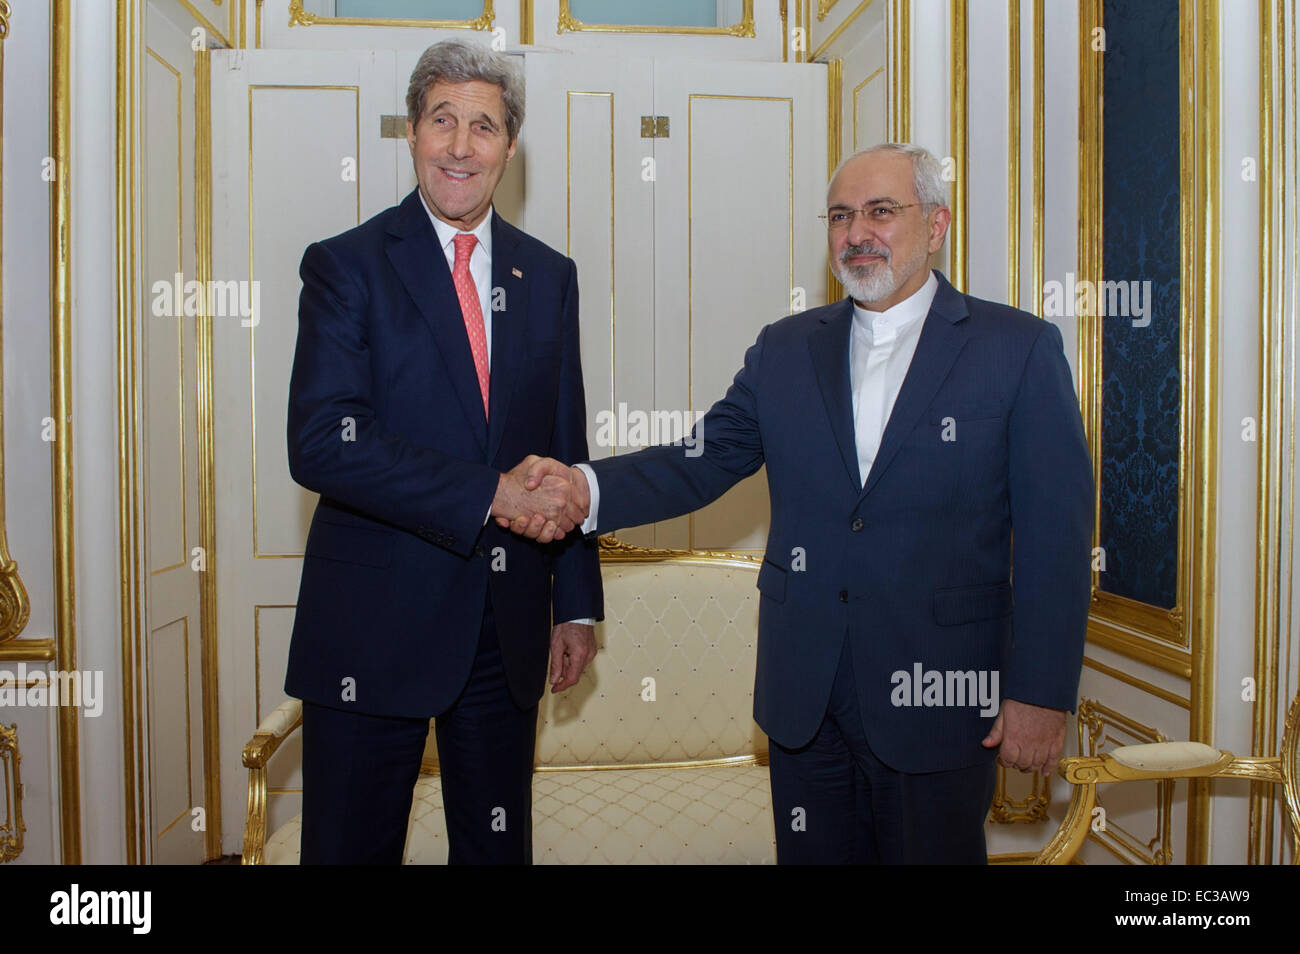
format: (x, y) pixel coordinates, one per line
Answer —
(517, 273)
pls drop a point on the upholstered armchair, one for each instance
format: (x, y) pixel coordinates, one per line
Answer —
(1169, 760)
(653, 757)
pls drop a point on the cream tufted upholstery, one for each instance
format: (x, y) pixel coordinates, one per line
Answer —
(623, 777)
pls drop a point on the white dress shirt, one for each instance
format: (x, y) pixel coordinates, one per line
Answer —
(881, 345)
(480, 269)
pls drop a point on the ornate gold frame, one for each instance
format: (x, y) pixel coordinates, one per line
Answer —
(300, 17)
(11, 831)
(1178, 640)
(568, 23)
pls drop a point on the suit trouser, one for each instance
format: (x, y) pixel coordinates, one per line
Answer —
(857, 810)
(359, 774)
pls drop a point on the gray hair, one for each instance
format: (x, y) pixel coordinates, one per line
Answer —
(927, 176)
(457, 61)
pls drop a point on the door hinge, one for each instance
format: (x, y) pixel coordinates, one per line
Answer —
(654, 127)
(392, 127)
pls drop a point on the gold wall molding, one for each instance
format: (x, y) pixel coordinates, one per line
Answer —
(206, 436)
(1275, 499)
(834, 34)
(1132, 680)
(130, 536)
(900, 45)
(15, 610)
(12, 827)
(957, 142)
(1013, 153)
(1096, 723)
(568, 23)
(61, 448)
(225, 36)
(41, 650)
(824, 7)
(300, 17)
(835, 145)
(526, 22)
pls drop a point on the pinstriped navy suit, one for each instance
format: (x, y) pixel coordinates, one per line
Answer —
(912, 566)
(406, 596)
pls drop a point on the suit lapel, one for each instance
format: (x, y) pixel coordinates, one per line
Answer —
(422, 268)
(943, 335)
(829, 346)
(509, 326)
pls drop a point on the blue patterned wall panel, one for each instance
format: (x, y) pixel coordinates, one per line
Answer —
(1140, 365)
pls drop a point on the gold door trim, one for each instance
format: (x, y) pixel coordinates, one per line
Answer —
(252, 331)
(568, 23)
(568, 213)
(690, 238)
(300, 17)
(131, 535)
(180, 320)
(205, 431)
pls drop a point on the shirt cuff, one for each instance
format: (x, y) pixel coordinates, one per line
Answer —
(584, 622)
(593, 485)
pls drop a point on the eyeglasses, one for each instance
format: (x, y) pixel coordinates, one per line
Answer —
(882, 214)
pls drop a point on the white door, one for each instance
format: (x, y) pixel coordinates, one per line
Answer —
(687, 244)
(297, 157)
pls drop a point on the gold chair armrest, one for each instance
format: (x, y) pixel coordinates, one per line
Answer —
(275, 728)
(1135, 763)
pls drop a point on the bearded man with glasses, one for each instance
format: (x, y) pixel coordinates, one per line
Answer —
(907, 430)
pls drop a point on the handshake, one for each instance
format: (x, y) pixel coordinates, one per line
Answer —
(541, 499)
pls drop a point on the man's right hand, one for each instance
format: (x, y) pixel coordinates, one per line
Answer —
(541, 499)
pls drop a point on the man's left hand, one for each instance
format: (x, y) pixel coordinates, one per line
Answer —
(1031, 737)
(573, 645)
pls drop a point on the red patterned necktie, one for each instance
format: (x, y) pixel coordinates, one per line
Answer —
(471, 310)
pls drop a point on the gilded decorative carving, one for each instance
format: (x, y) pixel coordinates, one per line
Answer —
(300, 17)
(568, 23)
(612, 548)
(1032, 808)
(12, 828)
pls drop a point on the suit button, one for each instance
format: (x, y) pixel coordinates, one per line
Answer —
(844, 596)
(856, 525)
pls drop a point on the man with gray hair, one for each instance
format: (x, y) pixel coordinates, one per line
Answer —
(906, 430)
(437, 346)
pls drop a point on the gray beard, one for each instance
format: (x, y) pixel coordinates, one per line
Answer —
(871, 283)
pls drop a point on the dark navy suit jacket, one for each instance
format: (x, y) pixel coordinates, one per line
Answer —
(915, 566)
(386, 423)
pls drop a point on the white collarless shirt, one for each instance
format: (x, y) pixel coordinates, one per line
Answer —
(881, 345)
(480, 261)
